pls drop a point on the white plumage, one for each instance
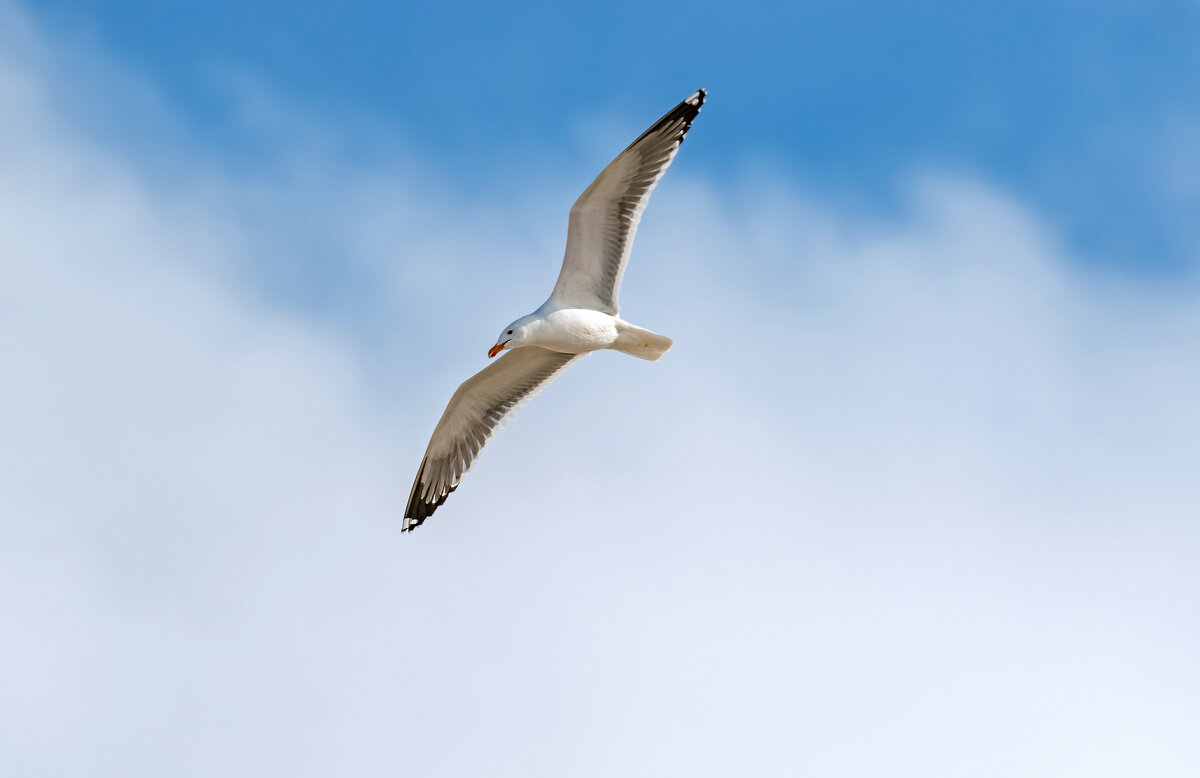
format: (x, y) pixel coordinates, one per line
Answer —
(580, 316)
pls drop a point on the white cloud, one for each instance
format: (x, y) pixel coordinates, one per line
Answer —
(911, 494)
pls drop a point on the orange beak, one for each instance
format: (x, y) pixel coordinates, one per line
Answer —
(494, 350)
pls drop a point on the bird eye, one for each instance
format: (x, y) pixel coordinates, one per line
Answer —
(509, 332)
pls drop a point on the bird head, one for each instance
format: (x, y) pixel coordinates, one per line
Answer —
(513, 336)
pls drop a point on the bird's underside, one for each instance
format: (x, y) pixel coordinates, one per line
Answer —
(602, 226)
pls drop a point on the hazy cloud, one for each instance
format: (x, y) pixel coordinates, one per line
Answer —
(913, 493)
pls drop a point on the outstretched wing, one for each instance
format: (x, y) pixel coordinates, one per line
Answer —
(481, 406)
(605, 217)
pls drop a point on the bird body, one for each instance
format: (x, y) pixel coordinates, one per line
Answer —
(582, 330)
(579, 317)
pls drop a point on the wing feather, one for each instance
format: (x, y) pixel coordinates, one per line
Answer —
(605, 218)
(483, 403)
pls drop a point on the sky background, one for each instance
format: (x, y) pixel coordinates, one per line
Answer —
(914, 492)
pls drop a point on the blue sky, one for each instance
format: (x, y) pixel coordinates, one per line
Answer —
(913, 492)
(1076, 106)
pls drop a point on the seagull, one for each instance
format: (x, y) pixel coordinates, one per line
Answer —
(580, 317)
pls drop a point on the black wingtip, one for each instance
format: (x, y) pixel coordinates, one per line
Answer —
(418, 509)
(679, 118)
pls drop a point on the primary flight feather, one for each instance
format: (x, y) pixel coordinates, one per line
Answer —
(580, 316)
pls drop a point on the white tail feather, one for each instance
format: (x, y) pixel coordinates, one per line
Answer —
(640, 343)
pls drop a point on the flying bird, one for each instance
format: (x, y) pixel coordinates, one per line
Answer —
(580, 316)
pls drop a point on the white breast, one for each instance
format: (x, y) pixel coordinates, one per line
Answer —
(577, 331)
